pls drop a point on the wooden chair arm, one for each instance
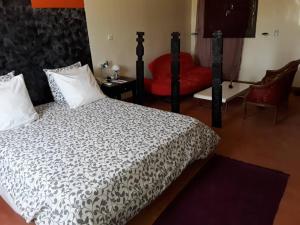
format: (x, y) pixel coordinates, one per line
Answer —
(262, 86)
(271, 72)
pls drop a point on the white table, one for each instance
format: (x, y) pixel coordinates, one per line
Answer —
(228, 93)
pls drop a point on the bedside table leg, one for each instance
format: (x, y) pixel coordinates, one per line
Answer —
(119, 96)
(134, 96)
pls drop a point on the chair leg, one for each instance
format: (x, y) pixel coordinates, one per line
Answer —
(286, 104)
(276, 115)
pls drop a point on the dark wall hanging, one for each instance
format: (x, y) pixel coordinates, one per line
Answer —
(235, 18)
(32, 39)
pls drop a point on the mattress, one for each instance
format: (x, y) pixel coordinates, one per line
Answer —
(98, 164)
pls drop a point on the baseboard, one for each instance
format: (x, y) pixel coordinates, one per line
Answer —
(296, 91)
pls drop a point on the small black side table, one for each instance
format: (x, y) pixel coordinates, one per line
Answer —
(115, 90)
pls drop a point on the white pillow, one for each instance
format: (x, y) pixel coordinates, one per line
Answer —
(7, 77)
(57, 95)
(16, 108)
(78, 86)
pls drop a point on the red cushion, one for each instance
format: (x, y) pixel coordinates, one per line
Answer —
(271, 94)
(192, 78)
(161, 67)
(163, 87)
(201, 74)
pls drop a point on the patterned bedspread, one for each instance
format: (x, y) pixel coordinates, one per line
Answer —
(99, 164)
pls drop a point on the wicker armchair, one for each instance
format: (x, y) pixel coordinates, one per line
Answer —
(274, 89)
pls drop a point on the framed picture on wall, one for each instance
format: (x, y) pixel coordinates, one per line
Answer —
(235, 18)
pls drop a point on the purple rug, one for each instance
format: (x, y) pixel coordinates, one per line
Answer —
(228, 192)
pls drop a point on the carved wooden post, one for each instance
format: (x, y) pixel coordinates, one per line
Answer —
(175, 68)
(140, 68)
(217, 49)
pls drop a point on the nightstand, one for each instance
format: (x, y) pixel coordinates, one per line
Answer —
(115, 90)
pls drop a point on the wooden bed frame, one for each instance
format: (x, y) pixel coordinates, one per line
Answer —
(79, 51)
(175, 69)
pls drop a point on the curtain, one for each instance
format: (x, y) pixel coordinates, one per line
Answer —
(232, 52)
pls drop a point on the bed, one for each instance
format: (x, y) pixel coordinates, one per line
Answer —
(98, 164)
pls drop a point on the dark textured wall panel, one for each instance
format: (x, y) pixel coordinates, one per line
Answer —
(33, 39)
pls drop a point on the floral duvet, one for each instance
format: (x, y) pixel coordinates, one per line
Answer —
(99, 164)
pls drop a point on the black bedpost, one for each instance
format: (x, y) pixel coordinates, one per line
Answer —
(140, 68)
(217, 49)
(175, 68)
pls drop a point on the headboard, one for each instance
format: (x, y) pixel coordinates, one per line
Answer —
(33, 39)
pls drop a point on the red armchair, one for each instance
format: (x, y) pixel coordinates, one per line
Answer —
(274, 89)
(192, 78)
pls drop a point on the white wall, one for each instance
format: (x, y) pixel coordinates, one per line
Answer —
(262, 53)
(123, 18)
